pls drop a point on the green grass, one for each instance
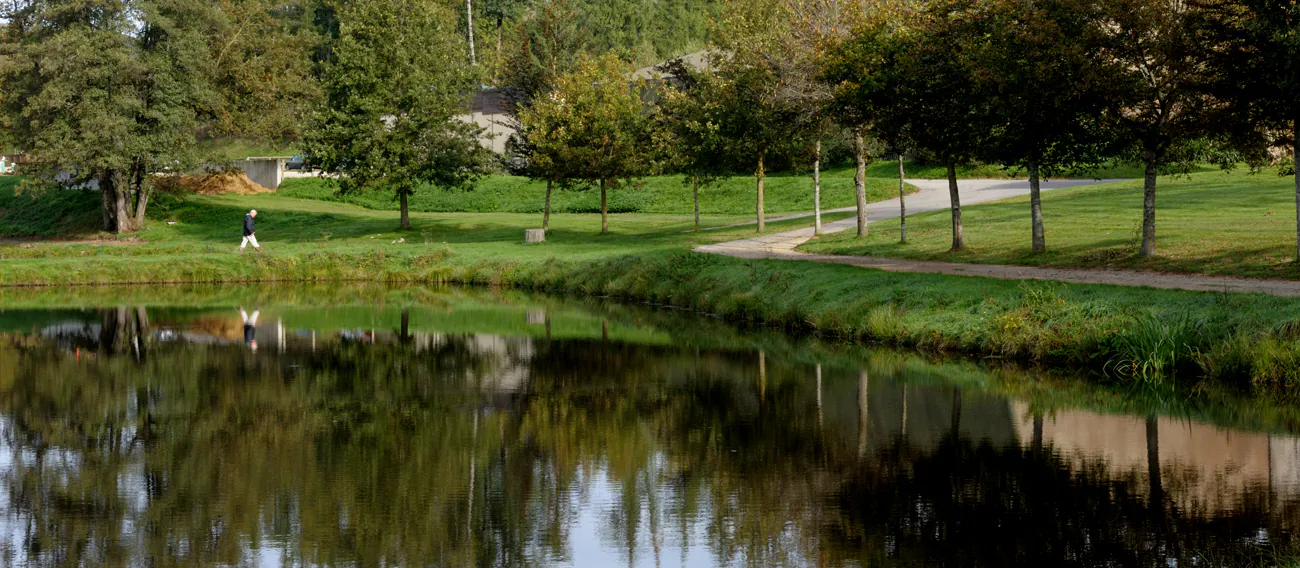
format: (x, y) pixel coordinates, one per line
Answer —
(1235, 224)
(25, 212)
(662, 195)
(1247, 339)
(915, 170)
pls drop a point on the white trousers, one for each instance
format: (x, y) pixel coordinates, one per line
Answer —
(250, 239)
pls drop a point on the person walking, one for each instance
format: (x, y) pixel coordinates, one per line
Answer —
(250, 236)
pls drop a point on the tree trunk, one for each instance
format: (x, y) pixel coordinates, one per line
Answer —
(902, 204)
(469, 23)
(123, 216)
(1153, 462)
(1295, 157)
(106, 200)
(1149, 207)
(957, 242)
(546, 212)
(406, 213)
(864, 419)
(1036, 208)
(860, 182)
(695, 189)
(141, 183)
(604, 209)
(762, 223)
(817, 189)
(496, 71)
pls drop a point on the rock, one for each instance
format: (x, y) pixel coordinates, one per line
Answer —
(534, 236)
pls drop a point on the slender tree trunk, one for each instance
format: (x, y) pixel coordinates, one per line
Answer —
(1295, 159)
(902, 203)
(546, 212)
(860, 182)
(1149, 207)
(1153, 462)
(406, 213)
(496, 71)
(695, 189)
(864, 419)
(817, 189)
(957, 242)
(604, 210)
(469, 23)
(1036, 208)
(762, 223)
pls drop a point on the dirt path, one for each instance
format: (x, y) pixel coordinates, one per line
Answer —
(933, 196)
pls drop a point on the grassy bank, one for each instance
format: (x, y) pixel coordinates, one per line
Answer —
(1236, 224)
(660, 195)
(1123, 331)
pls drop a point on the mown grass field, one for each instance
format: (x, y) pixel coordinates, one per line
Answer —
(790, 193)
(1211, 222)
(1242, 339)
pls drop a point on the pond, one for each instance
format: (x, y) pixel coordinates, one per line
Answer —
(376, 426)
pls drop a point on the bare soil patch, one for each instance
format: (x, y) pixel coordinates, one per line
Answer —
(226, 183)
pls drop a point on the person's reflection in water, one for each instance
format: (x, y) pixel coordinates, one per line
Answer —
(250, 328)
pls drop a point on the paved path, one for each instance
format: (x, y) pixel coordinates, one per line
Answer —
(933, 196)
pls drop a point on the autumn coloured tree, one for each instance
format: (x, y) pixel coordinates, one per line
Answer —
(592, 128)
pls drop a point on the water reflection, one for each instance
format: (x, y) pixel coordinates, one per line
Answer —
(373, 436)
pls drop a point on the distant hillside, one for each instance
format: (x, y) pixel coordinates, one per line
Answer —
(650, 31)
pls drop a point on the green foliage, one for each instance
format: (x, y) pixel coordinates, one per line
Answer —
(46, 212)
(261, 53)
(1152, 347)
(111, 90)
(592, 129)
(393, 93)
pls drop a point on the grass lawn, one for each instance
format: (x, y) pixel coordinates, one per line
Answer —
(1247, 339)
(1213, 222)
(661, 195)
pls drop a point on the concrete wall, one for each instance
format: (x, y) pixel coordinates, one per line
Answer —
(266, 172)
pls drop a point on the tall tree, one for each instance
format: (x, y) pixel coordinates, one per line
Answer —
(945, 115)
(1036, 62)
(262, 53)
(498, 11)
(1253, 47)
(866, 79)
(687, 127)
(108, 90)
(1158, 103)
(549, 43)
(595, 122)
(756, 112)
(393, 96)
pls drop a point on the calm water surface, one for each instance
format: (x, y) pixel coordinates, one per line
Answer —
(377, 427)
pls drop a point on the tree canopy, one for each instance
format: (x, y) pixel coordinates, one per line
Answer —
(394, 92)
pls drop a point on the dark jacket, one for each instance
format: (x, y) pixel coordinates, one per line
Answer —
(248, 225)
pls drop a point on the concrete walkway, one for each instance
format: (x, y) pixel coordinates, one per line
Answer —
(933, 196)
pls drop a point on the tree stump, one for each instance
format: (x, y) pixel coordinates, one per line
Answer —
(534, 236)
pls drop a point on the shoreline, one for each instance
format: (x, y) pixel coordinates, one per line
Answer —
(1081, 326)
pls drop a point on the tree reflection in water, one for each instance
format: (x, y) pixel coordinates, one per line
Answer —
(131, 442)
